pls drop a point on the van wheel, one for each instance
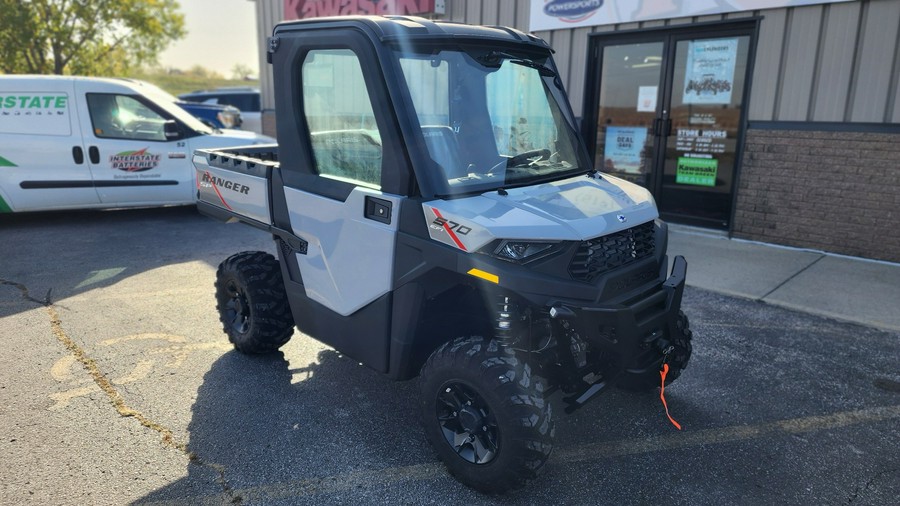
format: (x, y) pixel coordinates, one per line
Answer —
(678, 360)
(252, 303)
(485, 414)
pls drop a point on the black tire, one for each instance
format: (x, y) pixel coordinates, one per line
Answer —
(678, 360)
(486, 399)
(252, 303)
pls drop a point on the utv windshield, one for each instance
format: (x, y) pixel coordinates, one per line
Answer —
(490, 119)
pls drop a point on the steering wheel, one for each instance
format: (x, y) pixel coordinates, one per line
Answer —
(527, 155)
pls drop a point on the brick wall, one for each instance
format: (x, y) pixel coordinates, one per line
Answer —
(831, 191)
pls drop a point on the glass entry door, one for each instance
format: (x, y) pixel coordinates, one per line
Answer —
(667, 114)
(628, 109)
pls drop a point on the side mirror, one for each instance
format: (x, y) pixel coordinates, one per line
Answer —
(172, 130)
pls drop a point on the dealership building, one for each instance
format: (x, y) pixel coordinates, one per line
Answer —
(768, 120)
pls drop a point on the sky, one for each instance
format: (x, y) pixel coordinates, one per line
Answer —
(221, 33)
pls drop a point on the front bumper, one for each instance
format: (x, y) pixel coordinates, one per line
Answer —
(632, 336)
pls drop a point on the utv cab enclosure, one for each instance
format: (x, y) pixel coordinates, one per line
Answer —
(436, 214)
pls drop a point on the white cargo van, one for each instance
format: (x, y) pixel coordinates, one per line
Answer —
(79, 142)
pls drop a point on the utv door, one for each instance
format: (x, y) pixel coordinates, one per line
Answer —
(342, 169)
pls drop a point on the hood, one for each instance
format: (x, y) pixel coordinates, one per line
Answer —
(574, 209)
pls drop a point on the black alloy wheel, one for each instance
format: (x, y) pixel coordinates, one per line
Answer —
(467, 423)
(237, 309)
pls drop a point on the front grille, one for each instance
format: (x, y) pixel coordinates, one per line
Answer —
(600, 255)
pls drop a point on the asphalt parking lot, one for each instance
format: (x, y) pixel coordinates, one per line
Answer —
(118, 386)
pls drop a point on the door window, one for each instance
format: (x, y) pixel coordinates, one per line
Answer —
(124, 117)
(345, 139)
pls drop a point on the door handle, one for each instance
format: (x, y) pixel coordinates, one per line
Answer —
(662, 127)
(378, 209)
(78, 155)
(94, 154)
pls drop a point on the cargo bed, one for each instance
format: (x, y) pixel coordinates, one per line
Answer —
(234, 183)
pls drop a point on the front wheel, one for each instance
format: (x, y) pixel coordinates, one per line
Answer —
(485, 414)
(252, 302)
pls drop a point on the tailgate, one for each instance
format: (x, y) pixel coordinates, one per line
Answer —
(235, 185)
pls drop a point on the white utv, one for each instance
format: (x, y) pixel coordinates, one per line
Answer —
(436, 214)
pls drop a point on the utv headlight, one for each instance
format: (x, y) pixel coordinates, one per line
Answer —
(521, 251)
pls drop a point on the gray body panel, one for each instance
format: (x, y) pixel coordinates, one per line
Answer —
(349, 261)
(574, 209)
(239, 192)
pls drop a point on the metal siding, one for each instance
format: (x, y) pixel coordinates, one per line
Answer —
(489, 12)
(767, 66)
(473, 12)
(457, 11)
(799, 63)
(836, 62)
(739, 15)
(894, 115)
(679, 21)
(266, 20)
(522, 13)
(562, 43)
(577, 68)
(873, 78)
(508, 15)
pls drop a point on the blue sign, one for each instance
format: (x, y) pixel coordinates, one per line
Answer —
(572, 11)
(623, 149)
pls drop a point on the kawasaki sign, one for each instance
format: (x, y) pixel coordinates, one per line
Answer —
(303, 9)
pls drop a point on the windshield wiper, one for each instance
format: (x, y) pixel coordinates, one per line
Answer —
(542, 70)
(493, 59)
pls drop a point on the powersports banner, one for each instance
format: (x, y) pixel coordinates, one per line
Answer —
(556, 14)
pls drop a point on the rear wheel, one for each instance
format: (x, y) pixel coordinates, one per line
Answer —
(485, 414)
(252, 303)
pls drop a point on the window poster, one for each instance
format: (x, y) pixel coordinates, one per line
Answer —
(623, 149)
(696, 171)
(709, 76)
(647, 98)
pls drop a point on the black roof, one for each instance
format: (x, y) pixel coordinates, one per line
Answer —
(388, 28)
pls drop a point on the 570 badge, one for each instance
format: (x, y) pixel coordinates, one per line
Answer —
(445, 224)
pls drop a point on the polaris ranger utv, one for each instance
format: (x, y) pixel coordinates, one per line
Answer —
(436, 214)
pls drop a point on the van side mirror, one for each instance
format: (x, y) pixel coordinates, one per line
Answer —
(172, 130)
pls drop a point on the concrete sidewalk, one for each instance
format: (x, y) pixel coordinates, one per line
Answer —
(845, 288)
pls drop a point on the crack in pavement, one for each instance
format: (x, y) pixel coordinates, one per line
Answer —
(115, 398)
(868, 485)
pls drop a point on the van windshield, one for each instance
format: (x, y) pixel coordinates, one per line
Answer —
(167, 102)
(491, 119)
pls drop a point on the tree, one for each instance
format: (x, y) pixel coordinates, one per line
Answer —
(241, 71)
(87, 37)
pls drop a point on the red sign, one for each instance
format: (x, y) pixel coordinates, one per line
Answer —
(302, 9)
